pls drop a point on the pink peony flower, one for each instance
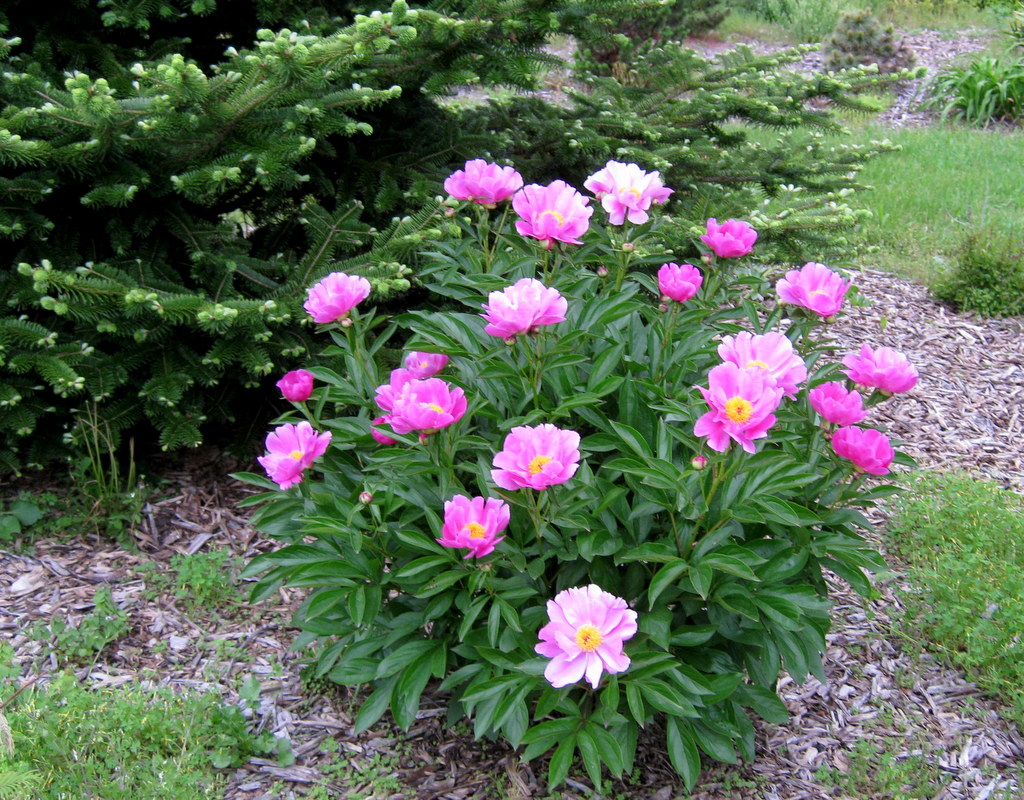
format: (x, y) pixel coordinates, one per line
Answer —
(378, 434)
(868, 449)
(679, 283)
(626, 190)
(836, 405)
(296, 386)
(290, 450)
(427, 405)
(883, 369)
(474, 524)
(536, 457)
(584, 635)
(771, 353)
(425, 365)
(731, 239)
(522, 308)
(334, 296)
(742, 401)
(387, 392)
(814, 286)
(483, 183)
(551, 213)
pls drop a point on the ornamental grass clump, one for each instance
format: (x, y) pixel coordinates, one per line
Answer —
(614, 506)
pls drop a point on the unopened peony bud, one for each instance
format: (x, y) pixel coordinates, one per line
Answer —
(510, 340)
(365, 498)
(602, 272)
(346, 323)
(706, 258)
(628, 247)
(449, 212)
(663, 307)
(698, 462)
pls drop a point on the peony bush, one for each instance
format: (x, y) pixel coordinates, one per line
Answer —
(590, 493)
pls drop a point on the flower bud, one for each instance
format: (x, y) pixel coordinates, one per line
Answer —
(628, 247)
(510, 340)
(602, 272)
(698, 462)
(663, 307)
(706, 258)
(345, 323)
(365, 498)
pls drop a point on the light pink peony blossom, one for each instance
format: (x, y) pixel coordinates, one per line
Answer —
(771, 353)
(679, 283)
(625, 190)
(868, 449)
(425, 365)
(742, 401)
(474, 523)
(427, 405)
(815, 287)
(333, 297)
(836, 404)
(536, 457)
(387, 392)
(556, 212)
(584, 635)
(884, 369)
(291, 449)
(378, 434)
(296, 386)
(522, 308)
(484, 183)
(732, 239)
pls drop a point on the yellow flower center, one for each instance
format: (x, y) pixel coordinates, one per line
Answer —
(559, 219)
(738, 409)
(424, 364)
(435, 407)
(588, 638)
(757, 363)
(296, 454)
(537, 464)
(632, 191)
(476, 530)
(817, 291)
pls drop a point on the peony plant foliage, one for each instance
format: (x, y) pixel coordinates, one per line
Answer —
(583, 492)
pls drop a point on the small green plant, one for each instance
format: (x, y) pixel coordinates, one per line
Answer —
(804, 20)
(201, 580)
(22, 513)
(859, 39)
(985, 91)
(82, 644)
(988, 276)
(963, 541)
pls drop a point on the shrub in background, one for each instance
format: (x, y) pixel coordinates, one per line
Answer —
(860, 39)
(593, 511)
(988, 276)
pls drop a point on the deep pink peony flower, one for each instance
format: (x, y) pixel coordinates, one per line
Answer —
(387, 392)
(378, 434)
(584, 635)
(731, 239)
(425, 365)
(551, 213)
(679, 283)
(771, 353)
(742, 401)
(868, 449)
(427, 405)
(883, 369)
(296, 386)
(522, 308)
(290, 450)
(814, 286)
(836, 404)
(474, 524)
(334, 296)
(536, 457)
(483, 183)
(626, 190)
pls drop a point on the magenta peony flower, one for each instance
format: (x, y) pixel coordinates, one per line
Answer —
(883, 369)
(290, 450)
(296, 386)
(522, 308)
(868, 449)
(536, 457)
(584, 635)
(387, 392)
(484, 183)
(425, 365)
(551, 213)
(334, 296)
(378, 434)
(679, 283)
(731, 239)
(474, 524)
(427, 405)
(814, 286)
(626, 190)
(742, 401)
(771, 353)
(836, 405)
